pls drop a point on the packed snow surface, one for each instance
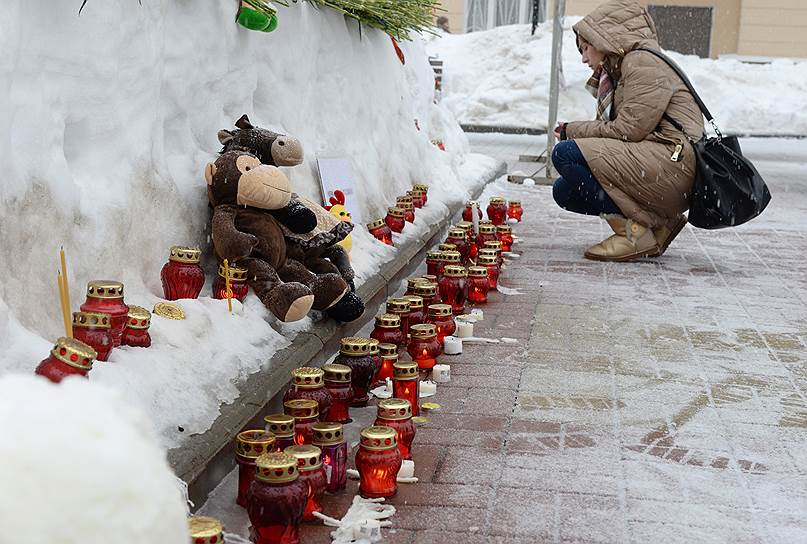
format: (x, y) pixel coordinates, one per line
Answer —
(108, 120)
(501, 77)
(79, 465)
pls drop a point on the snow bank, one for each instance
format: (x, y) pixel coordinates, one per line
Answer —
(501, 77)
(108, 120)
(79, 465)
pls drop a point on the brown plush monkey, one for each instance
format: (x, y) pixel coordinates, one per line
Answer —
(249, 202)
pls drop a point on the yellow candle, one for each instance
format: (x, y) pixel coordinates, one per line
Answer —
(227, 286)
(66, 304)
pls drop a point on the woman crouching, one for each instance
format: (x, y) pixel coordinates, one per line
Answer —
(631, 165)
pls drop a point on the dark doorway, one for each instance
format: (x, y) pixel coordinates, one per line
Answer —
(684, 29)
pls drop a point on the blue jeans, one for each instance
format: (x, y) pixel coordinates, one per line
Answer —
(577, 190)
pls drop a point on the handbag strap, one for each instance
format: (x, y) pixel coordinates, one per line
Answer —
(704, 110)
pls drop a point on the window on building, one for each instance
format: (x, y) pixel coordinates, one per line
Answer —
(485, 14)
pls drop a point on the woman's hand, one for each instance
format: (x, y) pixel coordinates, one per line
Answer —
(560, 132)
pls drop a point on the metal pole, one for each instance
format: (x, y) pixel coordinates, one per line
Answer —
(554, 81)
(491, 22)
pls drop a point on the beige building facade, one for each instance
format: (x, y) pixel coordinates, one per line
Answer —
(746, 28)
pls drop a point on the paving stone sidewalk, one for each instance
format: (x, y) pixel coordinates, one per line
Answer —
(661, 401)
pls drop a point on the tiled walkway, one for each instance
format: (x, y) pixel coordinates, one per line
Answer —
(662, 401)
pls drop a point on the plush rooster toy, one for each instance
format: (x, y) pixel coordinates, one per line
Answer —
(338, 210)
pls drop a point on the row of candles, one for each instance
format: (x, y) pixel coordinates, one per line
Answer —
(106, 321)
(286, 468)
(399, 215)
(499, 213)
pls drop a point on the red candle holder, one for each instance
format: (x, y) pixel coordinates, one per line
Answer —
(329, 438)
(375, 353)
(305, 413)
(459, 238)
(68, 357)
(182, 277)
(389, 356)
(104, 296)
(487, 233)
(450, 258)
(276, 500)
(309, 465)
(496, 246)
(434, 263)
(471, 238)
(380, 231)
(453, 290)
(238, 283)
(400, 307)
(378, 462)
(309, 383)
(136, 333)
(205, 530)
(397, 413)
(514, 210)
(249, 445)
(418, 197)
(395, 219)
(406, 384)
(430, 278)
(93, 329)
(424, 346)
(417, 315)
(388, 330)
(355, 353)
(468, 214)
(411, 283)
(441, 316)
(478, 284)
(405, 203)
(281, 426)
(497, 210)
(337, 382)
(424, 188)
(489, 263)
(505, 235)
(428, 292)
(445, 246)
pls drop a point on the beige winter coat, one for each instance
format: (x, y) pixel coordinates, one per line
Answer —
(631, 155)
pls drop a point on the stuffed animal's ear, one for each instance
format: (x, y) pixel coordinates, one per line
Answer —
(210, 171)
(225, 136)
(243, 123)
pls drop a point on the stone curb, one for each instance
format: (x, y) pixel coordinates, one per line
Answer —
(205, 459)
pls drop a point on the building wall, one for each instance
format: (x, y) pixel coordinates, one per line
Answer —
(455, 11)
(725, 23)
(776, 28)
(766, 28)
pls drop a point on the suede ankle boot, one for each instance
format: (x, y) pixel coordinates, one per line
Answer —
(666, 234)
(631, 241)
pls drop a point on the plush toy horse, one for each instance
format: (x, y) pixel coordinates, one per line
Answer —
(338, 210)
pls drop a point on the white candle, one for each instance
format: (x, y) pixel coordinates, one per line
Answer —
(407, 469)
(427, 388)
(442, 373)
(464, 329)
(478, 314)
(452, 345)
